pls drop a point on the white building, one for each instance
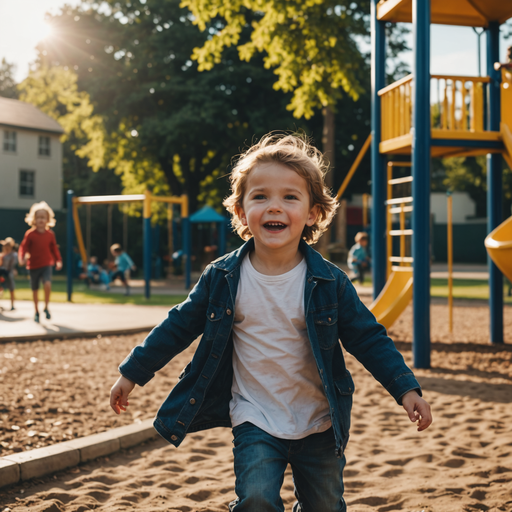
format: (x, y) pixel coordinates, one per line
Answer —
(463, 208)
(30, 157)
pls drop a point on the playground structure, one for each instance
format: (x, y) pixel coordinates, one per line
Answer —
(74, 229)
(471, 116)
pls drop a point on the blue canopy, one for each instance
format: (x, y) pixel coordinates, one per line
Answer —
(207, 214)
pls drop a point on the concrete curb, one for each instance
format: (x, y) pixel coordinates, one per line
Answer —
(75, 334)
(23, 466)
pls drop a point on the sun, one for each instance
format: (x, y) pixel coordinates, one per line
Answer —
(43, 30)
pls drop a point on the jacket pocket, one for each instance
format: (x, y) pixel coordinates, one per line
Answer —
(344, 395)
(326, 327)
(214, 314)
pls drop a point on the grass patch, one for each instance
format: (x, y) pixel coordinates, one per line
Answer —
(83, 295)
(465, 289)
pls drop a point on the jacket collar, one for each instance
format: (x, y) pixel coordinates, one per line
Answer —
(317, 266)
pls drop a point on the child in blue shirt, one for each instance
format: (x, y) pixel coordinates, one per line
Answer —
(269, 364)
(123, 265)
(358, 260)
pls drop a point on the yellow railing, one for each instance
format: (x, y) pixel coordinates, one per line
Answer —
(396, 106)
(458, 102)
(457, 105)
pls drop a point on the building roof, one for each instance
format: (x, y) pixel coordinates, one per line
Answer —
(471, 13)
(18, 114)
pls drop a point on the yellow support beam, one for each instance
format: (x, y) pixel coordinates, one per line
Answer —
(78, 234)
(354, 167)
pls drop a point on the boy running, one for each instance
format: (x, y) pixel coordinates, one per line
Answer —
(270, 364)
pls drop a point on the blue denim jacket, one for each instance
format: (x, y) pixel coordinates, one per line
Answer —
(333, 311)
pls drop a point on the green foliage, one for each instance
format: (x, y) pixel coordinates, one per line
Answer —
(7, 81)
(54, 91)
(310, 44)
(134, 61)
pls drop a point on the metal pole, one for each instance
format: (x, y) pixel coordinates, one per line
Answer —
(147, 243)
(109, 230)
(421, 183)
(70, 235)
(222, 238)
(494, 183)
(449, 227)
(378, 79)
(88, 235)
(125, 229)
(186, 236)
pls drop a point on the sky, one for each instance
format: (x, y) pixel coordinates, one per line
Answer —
(453, 49)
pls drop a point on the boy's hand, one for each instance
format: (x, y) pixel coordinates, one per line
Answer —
(119, 394)
(58, 265)
(417, 409)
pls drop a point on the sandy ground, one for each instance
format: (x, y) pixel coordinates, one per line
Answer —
(463, 462)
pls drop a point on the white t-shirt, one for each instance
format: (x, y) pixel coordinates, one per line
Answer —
(276, 385)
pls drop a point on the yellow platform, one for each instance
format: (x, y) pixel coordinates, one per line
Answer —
(499, 246)
(394, 297)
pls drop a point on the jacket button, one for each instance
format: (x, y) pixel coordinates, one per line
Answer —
(228, 311)
(174, 438)
(192, 401)
(329, 319)
(212, 315)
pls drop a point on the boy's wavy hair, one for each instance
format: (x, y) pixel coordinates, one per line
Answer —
(298, 154)
(30, 218)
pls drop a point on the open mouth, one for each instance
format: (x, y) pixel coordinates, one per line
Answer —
(274, 226)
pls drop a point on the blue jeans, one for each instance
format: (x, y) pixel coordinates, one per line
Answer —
(260, 463)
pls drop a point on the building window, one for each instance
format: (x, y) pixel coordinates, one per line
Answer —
(9, 141)
(44, 145)
(27, 183)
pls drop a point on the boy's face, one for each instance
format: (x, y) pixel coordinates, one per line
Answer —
(6, 249)
(41, 219)
(363, 242)
(276, 206)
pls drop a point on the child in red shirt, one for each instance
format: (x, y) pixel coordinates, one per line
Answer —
(40, 252)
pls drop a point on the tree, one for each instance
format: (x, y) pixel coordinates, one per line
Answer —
(310, 44)
(7, 81)
(162, 116)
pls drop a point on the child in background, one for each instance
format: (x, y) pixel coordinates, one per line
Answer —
(358, 259)
(95, 274)
(39, 251)
(269, 363)
(123, 264)
(8, 263)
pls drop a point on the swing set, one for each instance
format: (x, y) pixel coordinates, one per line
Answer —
(74, 230)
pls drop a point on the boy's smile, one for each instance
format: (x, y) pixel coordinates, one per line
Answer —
(276, 207)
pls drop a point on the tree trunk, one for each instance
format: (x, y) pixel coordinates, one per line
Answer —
(328, 143)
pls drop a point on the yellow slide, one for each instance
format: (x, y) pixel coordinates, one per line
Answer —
(499, 246)
(394, 297)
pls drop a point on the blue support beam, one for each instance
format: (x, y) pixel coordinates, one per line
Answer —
(187, 251)
(421, 183)
(494, 182)
(147, 256)
(70, 235)
(222, 237)
(379, 175)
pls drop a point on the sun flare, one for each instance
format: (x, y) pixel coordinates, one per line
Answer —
(43, 30)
